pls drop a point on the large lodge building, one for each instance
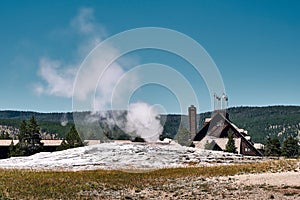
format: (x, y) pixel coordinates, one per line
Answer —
(214, 134)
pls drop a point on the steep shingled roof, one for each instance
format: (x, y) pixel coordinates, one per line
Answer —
(217, 129)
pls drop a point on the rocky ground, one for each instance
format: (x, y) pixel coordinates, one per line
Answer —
(275, 186)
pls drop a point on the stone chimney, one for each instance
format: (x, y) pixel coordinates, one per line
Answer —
(193, 121)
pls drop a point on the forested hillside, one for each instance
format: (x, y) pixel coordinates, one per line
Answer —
(275, 121)
(26, 115)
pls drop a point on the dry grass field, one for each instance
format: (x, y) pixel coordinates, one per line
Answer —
(173, 183)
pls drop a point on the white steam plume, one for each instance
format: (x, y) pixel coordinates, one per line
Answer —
(143, 119)
(58, 80)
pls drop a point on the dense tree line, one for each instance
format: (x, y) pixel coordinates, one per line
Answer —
(263, 122)
(26, 115)
(289, 147)
(30, 139)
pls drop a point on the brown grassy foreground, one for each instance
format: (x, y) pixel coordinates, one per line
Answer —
(97, 184)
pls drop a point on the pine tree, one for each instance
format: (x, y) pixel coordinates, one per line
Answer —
(23, 133)
(272, 147)
(34, 142)
(22, 147)
(12, 149)
(267, 148)
(290, 147)
(73, 139)
(230, 146)
(33, 129)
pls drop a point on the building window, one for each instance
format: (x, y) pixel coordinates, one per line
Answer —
(247, 149)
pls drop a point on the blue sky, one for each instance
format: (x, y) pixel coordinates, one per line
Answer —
(255, 45)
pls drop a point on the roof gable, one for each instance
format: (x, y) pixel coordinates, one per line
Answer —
(218, 127)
